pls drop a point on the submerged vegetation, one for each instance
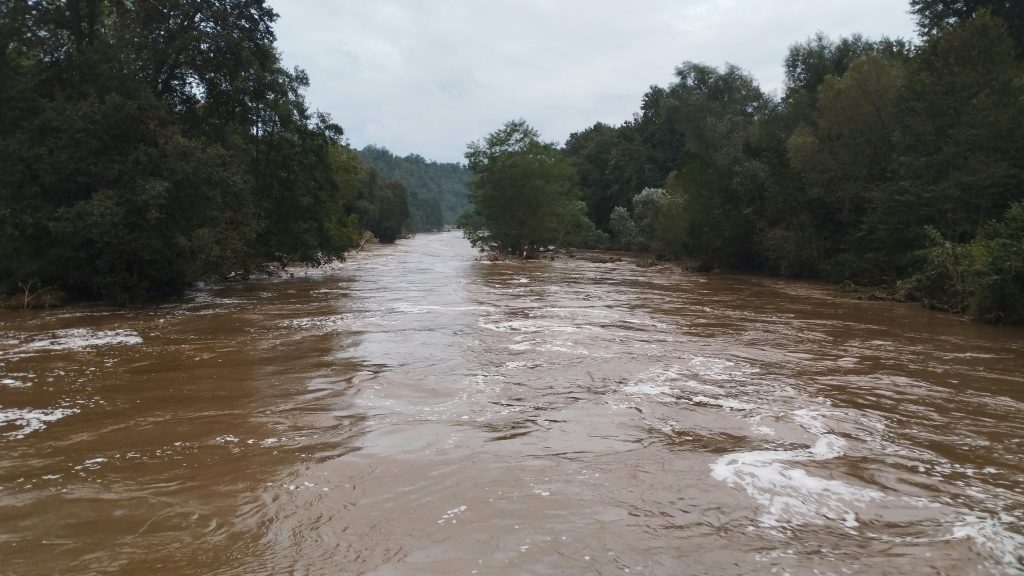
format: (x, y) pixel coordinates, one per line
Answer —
(881, 163)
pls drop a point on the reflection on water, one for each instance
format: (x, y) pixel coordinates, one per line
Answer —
(417, 412)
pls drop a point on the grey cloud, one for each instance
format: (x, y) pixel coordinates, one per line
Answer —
(430, 76)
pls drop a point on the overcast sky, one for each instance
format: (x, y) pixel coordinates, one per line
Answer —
(429, 76)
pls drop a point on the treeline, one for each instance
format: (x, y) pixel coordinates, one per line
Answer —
(882, 163)
(148, 145)
(438, 191)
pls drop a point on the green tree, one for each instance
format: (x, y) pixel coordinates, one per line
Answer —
(612, 163)
(844, 156)
(960, 142)
(524, 194)
(148, 145)
(719, 178)
(934, 16)
(624, 233)
(997, 279)
(647, 215)
(383, 206)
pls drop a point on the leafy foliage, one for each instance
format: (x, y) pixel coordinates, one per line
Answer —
(935, 16)
(997, 278)
(524, 195)
(148, 145)
(382, 206)
(624, 233)
(881, 163)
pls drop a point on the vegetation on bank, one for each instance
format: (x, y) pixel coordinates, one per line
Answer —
(881, 163)
(524, 196)
(145, 146)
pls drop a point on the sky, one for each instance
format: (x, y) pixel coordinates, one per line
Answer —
(430, 76)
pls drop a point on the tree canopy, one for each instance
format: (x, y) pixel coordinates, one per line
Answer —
(881, 163)
(148, 145)
(524, 193)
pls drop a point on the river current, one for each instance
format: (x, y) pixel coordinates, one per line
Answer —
(415, 411)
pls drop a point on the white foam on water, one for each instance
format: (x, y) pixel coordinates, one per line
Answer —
(529, 326)
(564, 346)
(407, 308)
(726, 403)
(678, 381)
(514, 365)
(991, 533)
(12, 383)
(80, 338)
(648, 388)
(321, 324)
(199, 297)
(719, 368)
(27, 420)
(789, 494)
(450, 516)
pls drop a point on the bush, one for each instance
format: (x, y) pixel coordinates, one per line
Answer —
(624, 232)
(997, 279)
(943, 280)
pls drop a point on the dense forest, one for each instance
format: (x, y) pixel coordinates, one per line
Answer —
(147, 145)
(438, 191)
(884, 162)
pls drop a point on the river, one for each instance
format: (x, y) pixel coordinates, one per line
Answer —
(414, 411)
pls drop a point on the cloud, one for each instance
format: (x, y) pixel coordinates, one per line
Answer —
(429, 76)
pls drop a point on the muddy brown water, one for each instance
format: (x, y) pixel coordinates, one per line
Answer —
(413, 411)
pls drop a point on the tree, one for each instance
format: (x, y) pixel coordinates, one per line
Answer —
(844, 156)
(719, 180)
(624, 232)
(383, 206)
(647, 215)
(147, 145)
(961, 139)
(997, 280)
(934, 16)
(524, 193)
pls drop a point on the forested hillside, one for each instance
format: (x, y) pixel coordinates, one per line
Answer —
(437, 191)
(148, 145)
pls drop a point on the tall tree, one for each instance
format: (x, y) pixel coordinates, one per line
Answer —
(524, 195)
(718, 181)
(844, 155)
(961, 142)
(934, 16)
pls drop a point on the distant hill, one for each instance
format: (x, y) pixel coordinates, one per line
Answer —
(438, 192)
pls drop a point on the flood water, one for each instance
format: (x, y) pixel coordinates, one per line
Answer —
(414, 411)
